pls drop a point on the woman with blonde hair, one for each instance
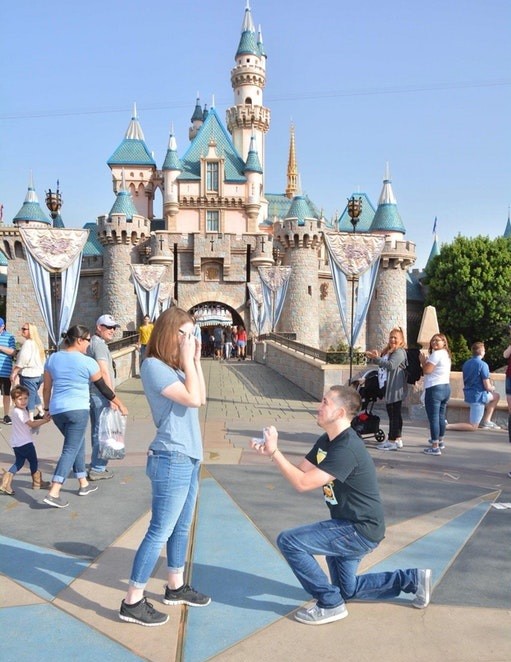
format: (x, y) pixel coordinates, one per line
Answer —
(437, 390)
(392, 364)
(174, 387)
(29, 368)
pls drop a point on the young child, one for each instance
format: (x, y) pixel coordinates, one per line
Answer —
(21, 441)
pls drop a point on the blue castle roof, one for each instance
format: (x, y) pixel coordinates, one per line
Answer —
(300, 209)
(253, 163)
(124, 205)
(93, 247)
(132, 150)
(31, 209)
(364, 220)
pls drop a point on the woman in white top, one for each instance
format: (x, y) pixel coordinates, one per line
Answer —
(29, 367)
(437, 371)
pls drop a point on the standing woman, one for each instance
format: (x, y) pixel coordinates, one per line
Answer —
(437, 390)
(392, 363)
(242, 343)
(174, 386)
(29, 368)
(67, 374)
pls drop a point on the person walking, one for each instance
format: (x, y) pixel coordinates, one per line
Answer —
(7, 353)
(23, 429)
(242, 343)
(144, 333)
(98, 350)
(479, 393)
(29, 368)
(436, 368)
(392, 375)
(174, 386)
(67, 374)
(339, 465)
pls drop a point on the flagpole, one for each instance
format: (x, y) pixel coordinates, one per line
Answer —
(354, 211)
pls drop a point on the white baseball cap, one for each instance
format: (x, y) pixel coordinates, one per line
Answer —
(107, 320)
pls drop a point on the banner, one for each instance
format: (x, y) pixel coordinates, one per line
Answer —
(274, 283)
(147, 278)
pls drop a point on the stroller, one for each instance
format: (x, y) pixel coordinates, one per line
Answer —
(367, 424)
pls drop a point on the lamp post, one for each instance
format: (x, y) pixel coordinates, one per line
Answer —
(354, 211)
(54, 204)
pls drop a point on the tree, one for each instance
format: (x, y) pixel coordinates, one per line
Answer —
(469, 283)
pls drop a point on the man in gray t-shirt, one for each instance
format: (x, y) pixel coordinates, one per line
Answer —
(98, 349)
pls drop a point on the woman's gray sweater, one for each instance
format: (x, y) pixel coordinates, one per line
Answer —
(394, 364)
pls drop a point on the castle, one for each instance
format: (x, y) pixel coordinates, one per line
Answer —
(218, 224)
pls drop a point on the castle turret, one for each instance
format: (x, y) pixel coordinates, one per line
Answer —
(507, 231)
(388, 305)
(197, 119)
(254, 175)
(134, 158)
(31, 215)
(300, 236)
(171, 169)
(248, 117)
(120, 233)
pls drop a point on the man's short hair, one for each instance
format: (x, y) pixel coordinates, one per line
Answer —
(476, 348)
(349, 398)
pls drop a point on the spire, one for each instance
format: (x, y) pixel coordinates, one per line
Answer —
(248, 42)
(134, 131)
(507, 231)
(31, 210)
(260, 44)
(435, 250)
(253, 163)
(387, 218)
(123, 202)
(172, 161)
(197, 113)
(292, 167)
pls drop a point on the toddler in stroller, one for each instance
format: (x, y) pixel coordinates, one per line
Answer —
(367, 424)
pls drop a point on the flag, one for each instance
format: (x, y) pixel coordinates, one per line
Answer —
(434, 226)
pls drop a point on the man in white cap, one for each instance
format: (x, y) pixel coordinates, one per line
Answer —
(98, 349)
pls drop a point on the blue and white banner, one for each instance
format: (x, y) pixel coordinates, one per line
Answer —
(274, 284)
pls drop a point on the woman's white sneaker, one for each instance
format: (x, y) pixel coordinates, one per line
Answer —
(388, 446)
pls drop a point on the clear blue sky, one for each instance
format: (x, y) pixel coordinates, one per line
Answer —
(425, 86)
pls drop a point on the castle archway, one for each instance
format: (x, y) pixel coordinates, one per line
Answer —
(209, 315)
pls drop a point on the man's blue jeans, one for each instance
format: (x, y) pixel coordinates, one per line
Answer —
(344, 548)
(97, 404)
(174, 481)
(435, 402)
(72, 424)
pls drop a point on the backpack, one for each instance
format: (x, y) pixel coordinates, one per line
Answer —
(413, 367)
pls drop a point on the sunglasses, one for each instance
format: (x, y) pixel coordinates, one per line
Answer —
(86, 339)
(24, 328)
(108, 327)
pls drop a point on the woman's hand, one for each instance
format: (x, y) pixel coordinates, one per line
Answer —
(187, 346)
(373, 354)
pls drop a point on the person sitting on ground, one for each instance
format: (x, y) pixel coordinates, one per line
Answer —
(341, 466)
(479, 392)
(23, 429)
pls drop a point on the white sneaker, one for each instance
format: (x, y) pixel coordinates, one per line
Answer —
(317, 616)
(399, 443)
(424, 587)
(387, 446)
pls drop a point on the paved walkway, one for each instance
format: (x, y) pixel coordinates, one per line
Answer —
(63, 573)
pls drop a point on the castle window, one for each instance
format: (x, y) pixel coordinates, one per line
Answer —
(212, 176)
(212, 221)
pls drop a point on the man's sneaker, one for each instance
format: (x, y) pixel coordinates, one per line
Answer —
(100, 475)
(488, 425)
(142, 613)
(7, 420)
(399, 443)
(186, 595)
(423, 593)
(387, 446)
(432, 451)
(56, 502)
(318, 616)
(83, 491)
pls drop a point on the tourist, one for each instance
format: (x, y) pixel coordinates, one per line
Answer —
(144, 333)
(479, 393)
(29, 368)
(339, 465)
(98, 349)
(7, 353)
(174, 386)
(437, 390)
(392, 376)
(242, 343)
(67, 374)
(23, 429)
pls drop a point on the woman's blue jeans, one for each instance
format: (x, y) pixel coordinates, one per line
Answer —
(32, 384)
(72, 424)
(435, 402)
(174, 480)
(344, 548)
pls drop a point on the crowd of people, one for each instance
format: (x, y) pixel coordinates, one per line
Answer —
(78, 382)
(224, 343)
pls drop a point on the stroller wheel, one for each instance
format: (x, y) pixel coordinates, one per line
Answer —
(380, 435)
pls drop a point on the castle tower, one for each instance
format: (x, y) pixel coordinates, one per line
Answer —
(31, 215)
(388, 306)
(300, 236)
(248, 117)
(197, 119)
(292, 168)
(120, 233)
(171, 169)
(254, 175)
(134, 158)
